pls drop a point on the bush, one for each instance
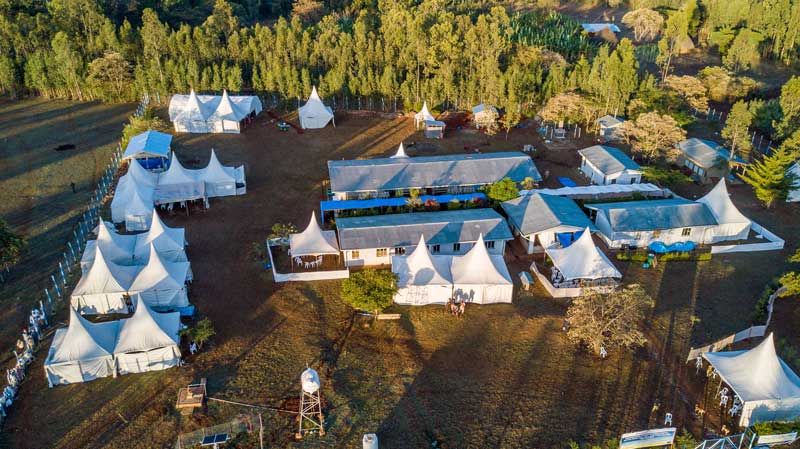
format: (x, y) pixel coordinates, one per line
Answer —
(759, 315)
(666, 177)
(370, 289)
(200, 333)
(773, 427)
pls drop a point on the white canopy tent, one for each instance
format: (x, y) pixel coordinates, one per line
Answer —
(132, 203)
(481, 278)
(314, 114)
(178, 184)
(767, 386)
(220, 180)
(116, 248)
(313, 241)
(162, 284)
(732, 225)
(81, 352)
(421, 278)
(582, 260)
(147, 341)
(103, 287)
(141, 176)
(423, 115)
(401, 152)
(169, 242)
(212, 113)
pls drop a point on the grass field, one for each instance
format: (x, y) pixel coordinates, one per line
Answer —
(503, 377)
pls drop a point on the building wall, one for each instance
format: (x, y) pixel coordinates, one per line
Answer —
(597, 177)
(697, 234)
(703, 173)
(369, 256)
(425, 190)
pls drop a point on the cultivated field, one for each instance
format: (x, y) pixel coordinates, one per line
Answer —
(503, 377)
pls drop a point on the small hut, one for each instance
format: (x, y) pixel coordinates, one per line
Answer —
(434, 129)
(484, 116)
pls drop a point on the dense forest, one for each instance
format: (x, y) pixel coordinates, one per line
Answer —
(446, 52)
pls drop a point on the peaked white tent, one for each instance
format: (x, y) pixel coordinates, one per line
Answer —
(582, 260)
(162, 284)
(732, 225)
(424, 115)
(212, 113)
(314, 114)
(141, 176)
(178, 184)
(147, 341)
(401, 152)
(313, 241)
(103, 287)
(169, 242)
(220, 180)
(227, 116)
(116, 248)
(81, 352)
(132, 203)
(768, 388)
(422, 278)
(191, 116)
(481, 278)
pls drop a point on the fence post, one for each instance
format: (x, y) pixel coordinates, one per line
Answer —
(47, 293)
(61, 270)
(67, 263)
(55, 285)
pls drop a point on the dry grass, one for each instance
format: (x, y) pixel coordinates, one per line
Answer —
(504, 376)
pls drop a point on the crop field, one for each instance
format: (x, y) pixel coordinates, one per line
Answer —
(503, 376)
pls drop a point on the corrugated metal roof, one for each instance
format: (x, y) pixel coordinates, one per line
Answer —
(608, 160)
(387, 231)
(609, 121)
(149, 142)
(706, 153)
(429, 171)
(650, 215)
(536, 213)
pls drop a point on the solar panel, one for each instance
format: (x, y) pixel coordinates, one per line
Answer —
(211, 440)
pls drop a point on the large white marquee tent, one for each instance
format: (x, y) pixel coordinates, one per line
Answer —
(133, 198)
(731, 224)
(480, 277)
(313, 241)
(147, 341)
(81, 352)
(178, 184)
(212, 113)
(103, 287)
(135, 249)
(767, 386)
(162, 284)
(314, 114)
(422, 278)
(582, 260)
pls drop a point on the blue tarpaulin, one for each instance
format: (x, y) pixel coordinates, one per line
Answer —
(566, 238)
(331, 205)
(566, 182)
(681, 247)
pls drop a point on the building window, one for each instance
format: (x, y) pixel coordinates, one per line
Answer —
(435, 248)
(637, 236)
(456, 247)
(490, 244)
(399, 251)
(614, 181)
(382, 252)
(656, 233)
(686, 232)
(354, 254)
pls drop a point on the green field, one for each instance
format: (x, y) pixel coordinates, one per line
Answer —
(505, 376)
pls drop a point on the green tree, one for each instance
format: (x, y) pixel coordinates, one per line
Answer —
(502, 190)
(11, 246)
(282, 231)
(737, 130)
(664, 176)
(110, 76)
(646, 24)
(790, 107)
(653, 135)
(200, 333)
(370, 289)
(744, 51)
(769, 176)
(611, 320)
(137, 125)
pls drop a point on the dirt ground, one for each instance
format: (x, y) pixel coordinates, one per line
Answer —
(502, 377)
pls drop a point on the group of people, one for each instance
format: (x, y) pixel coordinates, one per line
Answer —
(23, 353)
(454, 308)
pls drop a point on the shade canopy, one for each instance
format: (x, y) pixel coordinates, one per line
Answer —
(219, 180)
(141, 176)
(477, 266)
(81, 352)
(146, 330)
(582, 260)
(313, 240)
(424, 114)
(420, 268)
(178, 184)
(314, 114)
(105, 277)
(169, 242)
(162, 283)
(148, 144)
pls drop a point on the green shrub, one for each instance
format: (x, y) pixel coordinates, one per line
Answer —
(370, 289)
(773, 427)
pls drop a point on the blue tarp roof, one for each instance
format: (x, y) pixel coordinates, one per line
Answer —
(148, 144)
(391, 202)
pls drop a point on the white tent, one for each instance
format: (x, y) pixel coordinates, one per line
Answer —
(767, 386)
(162, 284)
(423, 116)
(149, 145)
(401, 152)
(481, 278)
(190, 116)
(220, 180)
(141, 176)
(582, 260)
(169, 242)
(178, 184)
(227, 116)
(147, 341)
(421, 278)
(314, 114)
(211, 113)
(313, 240)
(81, 352)
(732, 225)
(102, 289)
(116, 248)
(132, 203)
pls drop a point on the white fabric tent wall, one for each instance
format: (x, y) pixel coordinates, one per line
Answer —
(422, 278)
(116, 248)
(132, 203)
(178, 184)
(191, 117)
(102, 289)
(169, 242)
(314, 114)
(582, 260)
(218, 180)
(211, 113)
(481, 278)
(732, 224)
(147, 341)
(162, 284)
(81, 352)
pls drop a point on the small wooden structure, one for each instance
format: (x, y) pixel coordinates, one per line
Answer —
(191, 397)
(434, 129)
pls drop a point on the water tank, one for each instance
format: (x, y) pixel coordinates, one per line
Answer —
(310, 381)
(370, 441)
